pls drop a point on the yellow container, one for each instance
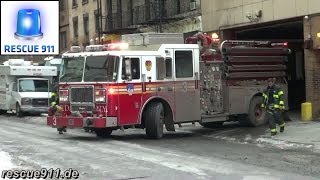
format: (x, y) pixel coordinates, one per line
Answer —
(306, 111)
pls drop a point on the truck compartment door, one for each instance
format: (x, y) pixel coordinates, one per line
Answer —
(187, 95)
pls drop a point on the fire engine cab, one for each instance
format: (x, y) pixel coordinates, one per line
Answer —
(150, 85)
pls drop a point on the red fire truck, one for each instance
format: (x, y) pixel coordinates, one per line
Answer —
(152, 85)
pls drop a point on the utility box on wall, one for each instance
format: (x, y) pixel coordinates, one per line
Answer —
(308, 44)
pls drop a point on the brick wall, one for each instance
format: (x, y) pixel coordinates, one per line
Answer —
(312, 64)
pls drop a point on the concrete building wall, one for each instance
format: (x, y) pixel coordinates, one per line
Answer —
(64, 31)
(181, 26)
(220, 14)
(79, 11)
(312, 63)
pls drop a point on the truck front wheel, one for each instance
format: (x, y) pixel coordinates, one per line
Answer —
(256, 115)
(19, 113)
(154, 119)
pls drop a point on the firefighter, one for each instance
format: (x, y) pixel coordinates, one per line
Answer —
(274, 105)
(54, 107)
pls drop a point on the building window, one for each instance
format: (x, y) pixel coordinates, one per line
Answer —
(84, 1)
(61, 5)
(178, 7)
(184, 64)
(86, 24)
(96, 18)
(63, 40)
(74, 3)
(75, 27)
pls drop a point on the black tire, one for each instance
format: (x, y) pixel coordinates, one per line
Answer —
(256, 115)
(212, 124)
(103, 132)
(154, 120)
(2, 112)
(19, 113)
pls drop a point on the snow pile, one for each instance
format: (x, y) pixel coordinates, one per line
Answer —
(283, 144)
(6, 163)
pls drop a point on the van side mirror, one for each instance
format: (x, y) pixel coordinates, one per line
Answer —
(128, 69)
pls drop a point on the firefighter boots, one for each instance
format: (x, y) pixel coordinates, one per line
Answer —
(282, 129)
(273, 132)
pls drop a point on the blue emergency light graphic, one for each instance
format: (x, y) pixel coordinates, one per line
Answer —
(28, 25)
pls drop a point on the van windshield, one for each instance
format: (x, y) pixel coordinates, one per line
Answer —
(32, 85)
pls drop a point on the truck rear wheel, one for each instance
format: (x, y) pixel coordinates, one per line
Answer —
(103, 132)
(19, 113)
(154, 120)
(256, 116)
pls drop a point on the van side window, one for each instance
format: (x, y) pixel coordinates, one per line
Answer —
(184, 64)
(14, 87)
(135, 68)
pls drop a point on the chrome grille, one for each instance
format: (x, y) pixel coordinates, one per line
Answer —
(82, 94)
(40, 102)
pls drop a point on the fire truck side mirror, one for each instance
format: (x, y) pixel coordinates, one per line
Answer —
(128, 69)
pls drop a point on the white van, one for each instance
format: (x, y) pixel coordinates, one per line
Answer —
(24, 87)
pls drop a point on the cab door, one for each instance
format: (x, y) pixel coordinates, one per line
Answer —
(130, 90)
(187, 94)
(164, 78)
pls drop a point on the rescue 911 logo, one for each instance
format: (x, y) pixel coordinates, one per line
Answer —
(29, 27)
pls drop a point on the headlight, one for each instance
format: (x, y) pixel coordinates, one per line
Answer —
(26, 101)
(63, 98)
(100, 95)
(100, 99)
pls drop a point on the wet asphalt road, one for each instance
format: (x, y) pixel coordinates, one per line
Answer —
(192, 152)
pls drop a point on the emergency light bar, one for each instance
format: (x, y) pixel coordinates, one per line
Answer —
(93, 48)
(75, 49)
(117, 46)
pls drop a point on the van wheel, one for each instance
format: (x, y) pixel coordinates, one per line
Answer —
(256, 115)
(103, 132)
(154, 120)
(19, 113)
(2, 111)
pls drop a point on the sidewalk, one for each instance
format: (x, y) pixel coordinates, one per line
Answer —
(298, 134)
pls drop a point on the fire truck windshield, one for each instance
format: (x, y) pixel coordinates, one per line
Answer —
(72, 69)
(96, 69)
(101, 69)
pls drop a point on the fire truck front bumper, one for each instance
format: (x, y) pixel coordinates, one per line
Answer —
(81, 122)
